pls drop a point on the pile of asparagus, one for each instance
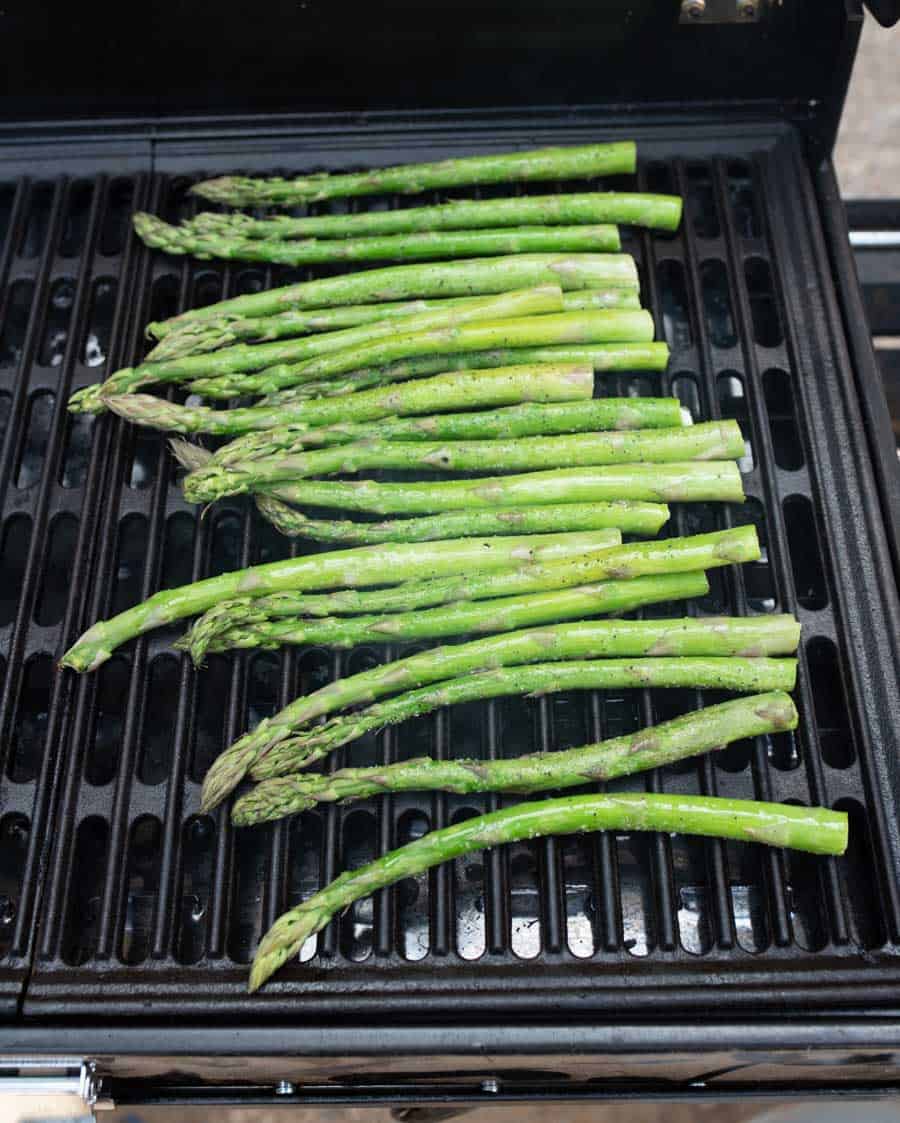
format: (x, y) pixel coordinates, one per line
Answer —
(479, 366)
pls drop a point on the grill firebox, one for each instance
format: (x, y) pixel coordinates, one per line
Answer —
(119, 899)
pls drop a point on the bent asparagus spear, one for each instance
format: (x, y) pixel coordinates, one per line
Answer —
(816, 830)
(488, 616)
(576, 162)
(711, 441)
(390, 247)
(630, 518)
(366, 565)
(660, 212)
(748, 636)
(533, 679)
(670, 741)
(455, 390)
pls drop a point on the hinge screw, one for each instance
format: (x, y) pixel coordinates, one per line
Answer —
(693, 9)
(284, 1088)
(491, 1085)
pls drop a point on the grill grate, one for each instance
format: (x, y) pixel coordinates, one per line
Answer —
(145, 903)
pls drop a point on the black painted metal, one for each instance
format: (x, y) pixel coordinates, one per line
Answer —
(142, 908)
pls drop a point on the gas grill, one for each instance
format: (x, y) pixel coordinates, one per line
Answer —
(609, 965)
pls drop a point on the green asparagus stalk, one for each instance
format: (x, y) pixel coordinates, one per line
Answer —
(310, 745)
(474, 277)
(504, 614)
(812, 829)
(617, 564)
(211, 335)
(576, 162)
(391, 247)
(671, 741)
(603, 357)
(748, 636)
(694, 482)
(660, 212)
(455, 390)
(366, 565)
(630, 518)
(525, 420)
(480, 335)
(712, 440)
(239, 360)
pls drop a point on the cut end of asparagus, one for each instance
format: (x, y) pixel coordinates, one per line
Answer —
(189, 455)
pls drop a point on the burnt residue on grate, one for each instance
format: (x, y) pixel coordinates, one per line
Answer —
(148, 902)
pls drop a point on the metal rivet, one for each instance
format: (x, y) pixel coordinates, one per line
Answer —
(491, 1085)
(693, 9)
(284, 1088)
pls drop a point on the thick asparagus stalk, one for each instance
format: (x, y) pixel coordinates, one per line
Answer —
(455, 390)
(712, 440)
(312, 744)
(477, 276)
(390, 247)
(816, 830)
(577, 162)
(748, 636)
(660, 212)
(698, 732)
(237, 361)
(211, 335)
(603, 357)
(618, 564)
(405, 342)
(631, 518)
(697, 481)
(525, 420)
(487, 616)
(366, 565)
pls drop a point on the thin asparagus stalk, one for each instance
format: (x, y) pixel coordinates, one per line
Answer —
(366, 565)
(697, 481)
(390, 247)
(533, 679)
(603, 357)
(474, 277)
(712, 440)
(630, 518)
(404, 342)
(812, 829)
(455, 390)
(660, 212)
(505, 614)
(211, 335)
(576, 162)
(617, 563)
(525, 420)
(237, 361)
(748, 636)
(671, 741)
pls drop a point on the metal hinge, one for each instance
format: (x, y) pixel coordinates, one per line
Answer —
(725, 11)
(54, 1076)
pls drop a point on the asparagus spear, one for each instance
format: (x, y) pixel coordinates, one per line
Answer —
(211, 335)
(312, 744)
(698, 732)
(488, 616)
(480, 335)
(773, 635)
(366, 565)
(455, 390)
(614, 563)
(660, 212)
(816, 830)
(577, 162)
(525, 420)
(601, 356)
(712, 481)
(631, 518)
(477, 276)
(244, 358)
(391, 247)
(712, 440)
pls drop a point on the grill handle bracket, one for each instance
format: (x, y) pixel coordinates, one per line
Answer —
(55, 1076)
